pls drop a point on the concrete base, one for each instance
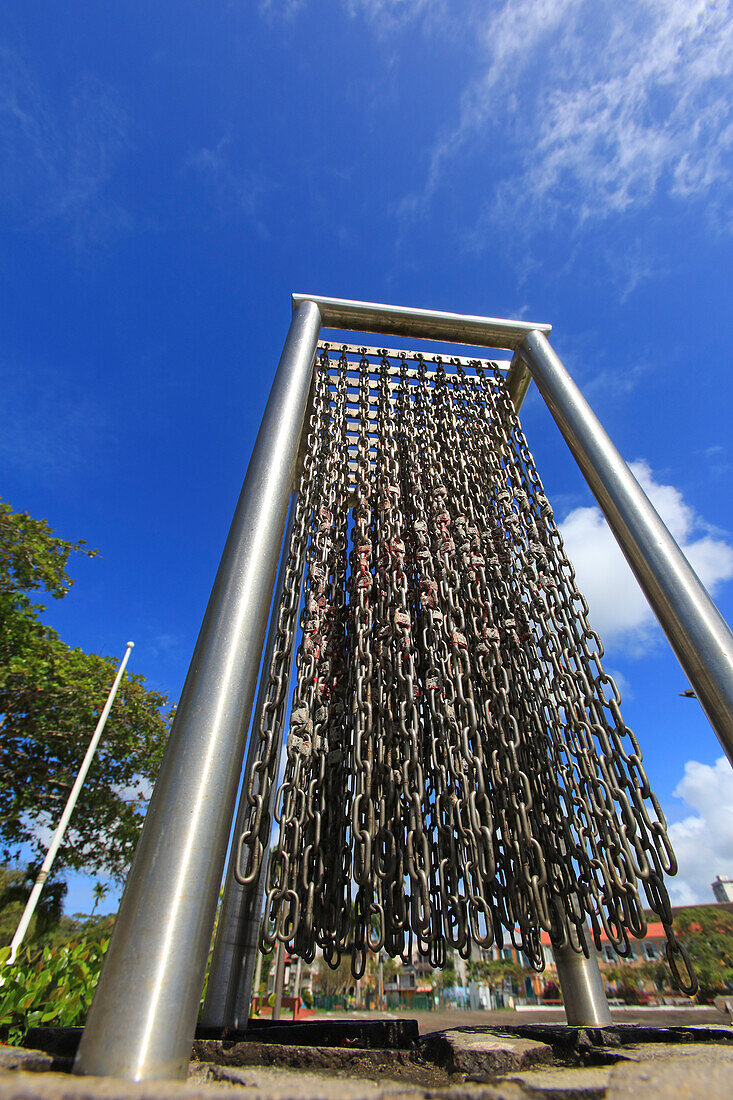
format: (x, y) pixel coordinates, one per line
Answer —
(550, 1061)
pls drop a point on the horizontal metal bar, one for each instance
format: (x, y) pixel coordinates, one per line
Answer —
(423, 324)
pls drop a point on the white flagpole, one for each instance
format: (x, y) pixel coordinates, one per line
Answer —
(58, 836)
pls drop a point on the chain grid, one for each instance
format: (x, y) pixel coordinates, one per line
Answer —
(457, 770)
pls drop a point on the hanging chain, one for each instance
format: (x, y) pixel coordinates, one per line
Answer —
(255, 837)
(458, 771)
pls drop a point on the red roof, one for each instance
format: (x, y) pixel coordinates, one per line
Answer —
(654, 931)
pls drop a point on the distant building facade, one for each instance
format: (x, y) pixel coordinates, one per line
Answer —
(723, 888)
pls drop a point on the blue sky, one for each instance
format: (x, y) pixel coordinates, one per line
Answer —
(170, 172)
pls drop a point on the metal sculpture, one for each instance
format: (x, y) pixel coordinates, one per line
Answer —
(458, 771)
(457, 768)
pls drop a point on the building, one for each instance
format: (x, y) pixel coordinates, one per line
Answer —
(413, 985)
(723, 888)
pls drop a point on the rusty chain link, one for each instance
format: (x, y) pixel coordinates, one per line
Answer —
(458, 771)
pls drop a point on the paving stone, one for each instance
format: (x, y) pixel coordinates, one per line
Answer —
(286, 1084)
(256, 1084)
(654, 1052)
(690, 1033)
(353, 1060)
(584, 1083)
(564, 1038)
(686, 1075)
(370, 1034)
(477, 1051)
(64, 1086)
(33, 1061)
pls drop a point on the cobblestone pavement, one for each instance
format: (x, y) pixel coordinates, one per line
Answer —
(440, 1019)
(527, 1061)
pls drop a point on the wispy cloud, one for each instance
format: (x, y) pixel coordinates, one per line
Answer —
(59, 156)
(599, 106)
(388, 14)
(384, 14)
(619, 611)
(576, 109)
(283, 9)
(238, 192)
(718, 459)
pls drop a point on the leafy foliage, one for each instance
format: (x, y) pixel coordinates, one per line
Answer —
(15, 889)
(627, 981)
(51, 986)
(50, 698)
(493, 971)
(707, 933)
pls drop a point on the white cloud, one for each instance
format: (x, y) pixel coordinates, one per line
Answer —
(703, 842)
(582, 108)
(395, 10)
(383, 13)
(286, 9)
(603, 102)
(618, 609)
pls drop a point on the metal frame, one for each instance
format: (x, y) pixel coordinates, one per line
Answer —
(143, 1018)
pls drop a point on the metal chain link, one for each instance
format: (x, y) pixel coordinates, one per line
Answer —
(458, 771)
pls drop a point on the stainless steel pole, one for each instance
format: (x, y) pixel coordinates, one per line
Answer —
(235, 946)
(583, 993)
(697, 632)
(143, 1018)
(258, 973)
(279, 980)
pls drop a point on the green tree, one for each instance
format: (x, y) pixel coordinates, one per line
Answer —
(15, 889)
(333, 982)
(707, 933)
(494, 971)
(99, 893)
(447, 977)
(627, 978)
(51, 695)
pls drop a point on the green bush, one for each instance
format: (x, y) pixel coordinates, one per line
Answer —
(49, 985)
(307, 998)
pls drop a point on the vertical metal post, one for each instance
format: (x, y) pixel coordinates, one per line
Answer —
(229, 988)
(143, 1017)
(279, 980)
(583, 992)
(258, 972)
(698, 633)
(296, 986)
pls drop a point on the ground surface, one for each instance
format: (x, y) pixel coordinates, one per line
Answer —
(439, 1020)
(681, 1054)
